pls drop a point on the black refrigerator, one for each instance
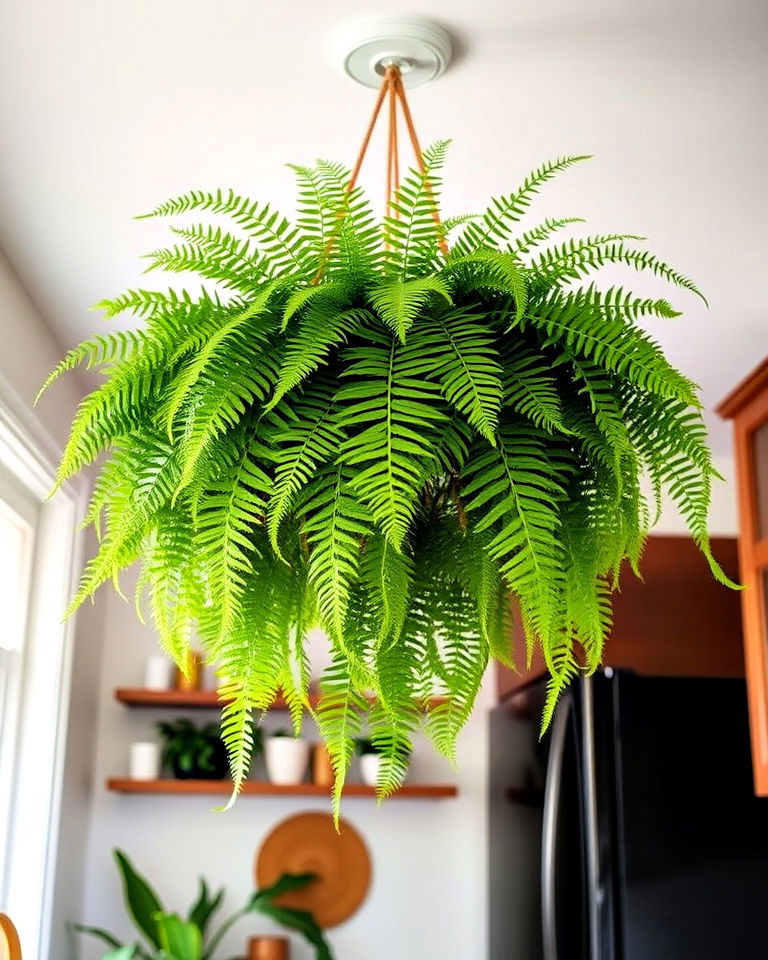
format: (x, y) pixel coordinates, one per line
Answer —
(630, 831)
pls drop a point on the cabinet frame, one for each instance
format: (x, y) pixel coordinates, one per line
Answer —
(747, 406)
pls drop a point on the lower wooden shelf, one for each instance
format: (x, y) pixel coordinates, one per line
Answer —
(142, 697)
(414, 791)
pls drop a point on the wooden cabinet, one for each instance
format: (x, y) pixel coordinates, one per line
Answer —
(677, 621)
(747, 406)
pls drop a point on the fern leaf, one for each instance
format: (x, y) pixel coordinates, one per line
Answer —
(239, 329)
(97, 352)
(304, 438)
(321, 329)
(340, 715)
(334, 524)
(469, 373)
(504, 212)
(400, 302)
(413, 234)
(531, 389)
(388, 413)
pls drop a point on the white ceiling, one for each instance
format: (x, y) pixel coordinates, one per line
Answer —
(109, 106)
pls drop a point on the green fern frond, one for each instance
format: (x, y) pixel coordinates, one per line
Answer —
(578, 258)
(305, 437)
(571, 321)
(234, 506)
(320, 330)
(143, 302)
(280, 241)
(97, 352)
(538, 235)
(490, 271)
(334, 525)
(469, 372)
(531, 389)
(399, 302)
(412, 233)
(340, 715)
(504, 212)
(236, 331)
(389, 413)
(518, 486)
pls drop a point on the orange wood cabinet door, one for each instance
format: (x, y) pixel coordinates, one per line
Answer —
(747, 406)
(675, 622)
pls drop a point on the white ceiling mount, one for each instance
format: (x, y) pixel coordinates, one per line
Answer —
(420, 47)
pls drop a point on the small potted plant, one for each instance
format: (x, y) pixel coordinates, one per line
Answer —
(286, 757)
(370, 760)
(193, 753)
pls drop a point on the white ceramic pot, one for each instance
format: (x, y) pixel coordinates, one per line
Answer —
(369, 768)
(286, 759)
(144, 761)
(159, 673)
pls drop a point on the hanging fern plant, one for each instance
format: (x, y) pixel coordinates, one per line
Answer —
(351, 429)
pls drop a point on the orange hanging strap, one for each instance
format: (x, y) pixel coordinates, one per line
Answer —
(400, 89)
(393, 89)
(393, 159)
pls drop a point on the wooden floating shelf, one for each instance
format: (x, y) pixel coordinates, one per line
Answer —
(415, 791)
(141, 697)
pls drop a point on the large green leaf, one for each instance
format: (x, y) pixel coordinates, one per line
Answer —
(141, 900)
(127, 952)
(302, 921)
(204, 907)
(179, 938)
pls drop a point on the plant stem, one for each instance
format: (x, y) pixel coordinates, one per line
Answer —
(219, 935)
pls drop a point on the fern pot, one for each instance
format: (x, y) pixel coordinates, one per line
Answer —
(287, 759)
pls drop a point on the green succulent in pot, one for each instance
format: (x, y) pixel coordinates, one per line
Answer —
(344, 426)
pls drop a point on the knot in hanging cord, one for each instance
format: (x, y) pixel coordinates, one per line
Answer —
(392, 90)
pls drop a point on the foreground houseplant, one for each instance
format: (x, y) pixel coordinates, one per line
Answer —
(168, 936)
(354, 428)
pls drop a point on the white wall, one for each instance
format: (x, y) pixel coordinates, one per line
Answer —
(27, 355)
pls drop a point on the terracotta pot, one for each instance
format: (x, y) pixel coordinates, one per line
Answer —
(322, 770)
(268, 948)
(286, 759)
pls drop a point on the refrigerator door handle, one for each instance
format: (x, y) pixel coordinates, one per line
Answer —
(549, 830)
(590, 819)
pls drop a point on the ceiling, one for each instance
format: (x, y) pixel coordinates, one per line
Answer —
(109, 106)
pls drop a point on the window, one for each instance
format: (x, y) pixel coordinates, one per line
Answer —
(18, 526)
(37, 563)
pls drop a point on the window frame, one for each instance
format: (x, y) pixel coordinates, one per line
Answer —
(28, 871)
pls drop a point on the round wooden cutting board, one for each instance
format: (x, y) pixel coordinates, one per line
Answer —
(309, 843)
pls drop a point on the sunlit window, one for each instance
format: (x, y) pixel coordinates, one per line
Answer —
(16, 540)
(36, 575)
